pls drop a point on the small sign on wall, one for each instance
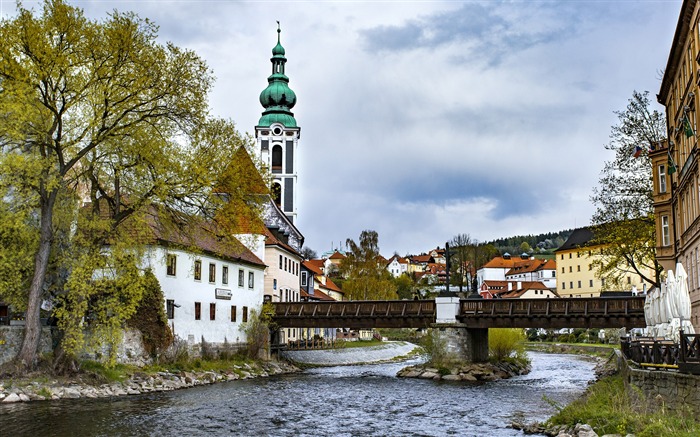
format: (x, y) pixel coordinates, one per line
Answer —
(223, 293)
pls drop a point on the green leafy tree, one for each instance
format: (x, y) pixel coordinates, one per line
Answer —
(624, 221)
(98, 111)
(366, 277)
(405, 286)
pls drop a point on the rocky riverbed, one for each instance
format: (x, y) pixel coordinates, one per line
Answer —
(39, 389)
(466, 372)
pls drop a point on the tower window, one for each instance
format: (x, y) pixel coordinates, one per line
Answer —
(277, 159)
(277, 194)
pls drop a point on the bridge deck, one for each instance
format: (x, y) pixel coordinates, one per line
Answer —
(356, 314)
(598, 312)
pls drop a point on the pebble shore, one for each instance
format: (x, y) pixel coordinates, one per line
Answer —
(139, 383)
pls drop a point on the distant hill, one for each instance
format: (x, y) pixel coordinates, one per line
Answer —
(537, 244)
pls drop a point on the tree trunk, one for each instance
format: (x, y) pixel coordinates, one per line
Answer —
(32, 330)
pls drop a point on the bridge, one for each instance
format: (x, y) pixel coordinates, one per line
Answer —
(606, 312)
(463, 324)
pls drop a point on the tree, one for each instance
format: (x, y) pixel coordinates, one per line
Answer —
(460, 250)
(405, 286)
(623, 222)
(99, 111)
(308, 253)
(366, 277)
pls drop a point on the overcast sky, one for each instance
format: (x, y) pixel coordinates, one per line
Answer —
(426, 119)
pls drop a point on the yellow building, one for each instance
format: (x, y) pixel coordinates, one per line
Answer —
(577, 274)
(675, 163)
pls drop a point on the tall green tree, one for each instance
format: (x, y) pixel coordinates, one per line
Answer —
(624, 218)
(366, 277)
(100, 112)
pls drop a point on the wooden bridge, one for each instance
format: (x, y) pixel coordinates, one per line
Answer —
(606, 312)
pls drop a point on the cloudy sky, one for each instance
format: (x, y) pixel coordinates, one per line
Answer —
(426, 119)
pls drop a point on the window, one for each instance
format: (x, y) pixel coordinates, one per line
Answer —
(233, 313)
(629, 280)
(224, 275)
(562, 256)
(554, 274)
(170, 308)
(274, 284)
(285, 264)
(212, 272)
(578, 254)
(571, 284)
(303, 279)
(570, 256)
(590, 282)
(251, 279)
(579, 284)
(280, 262)
(197, 270)
(240, 277)
(171, 262)
(197, 311)
(571, 269)
(662, 178)
(590, 266)
(563, 285)
(665, 234)
(563, 270)
(212, 311)
(578, 268)
(245, 314)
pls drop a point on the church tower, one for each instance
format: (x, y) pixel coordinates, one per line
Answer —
(277, 134)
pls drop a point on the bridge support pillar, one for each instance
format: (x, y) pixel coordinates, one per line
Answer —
(462, 343)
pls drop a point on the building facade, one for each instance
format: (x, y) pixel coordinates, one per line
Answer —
(675, 164)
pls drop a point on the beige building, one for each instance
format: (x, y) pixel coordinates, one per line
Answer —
(576, 268)
(675, 163)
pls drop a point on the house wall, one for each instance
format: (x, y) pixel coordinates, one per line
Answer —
(282, 283)
(185, 291)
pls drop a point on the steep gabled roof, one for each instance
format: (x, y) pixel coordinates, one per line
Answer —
(500, 263)
(580, 237)
(314, 265)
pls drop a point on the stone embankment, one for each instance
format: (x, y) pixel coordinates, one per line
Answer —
(139, 383)
(387, 351)
(467, 372)
(579, 430)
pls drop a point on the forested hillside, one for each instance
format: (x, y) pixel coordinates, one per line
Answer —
(541, 243)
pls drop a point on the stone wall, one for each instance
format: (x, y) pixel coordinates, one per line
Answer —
(11, 342)
(462, 343)
(666, 389)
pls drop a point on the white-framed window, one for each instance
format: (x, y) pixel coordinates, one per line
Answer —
(665, 231)
(197, 270)
(224, 275)
(303, 279)
(251, 279)
(241, 277)
(212, 273)
(171, 263)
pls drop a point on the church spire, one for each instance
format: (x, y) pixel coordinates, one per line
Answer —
(278, 99)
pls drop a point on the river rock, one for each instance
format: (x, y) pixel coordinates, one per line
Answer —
(70, 393)
(451, 378)
(584, 430)
(11, 398)
(428, 375)
(467, 377)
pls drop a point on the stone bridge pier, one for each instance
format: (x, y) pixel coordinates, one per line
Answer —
(461, 343)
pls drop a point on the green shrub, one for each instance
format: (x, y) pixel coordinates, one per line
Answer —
(506, 343)
(435, 347)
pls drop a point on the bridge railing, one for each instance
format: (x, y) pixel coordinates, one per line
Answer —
(403, 308)
(552, 307)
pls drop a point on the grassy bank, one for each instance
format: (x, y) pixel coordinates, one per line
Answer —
(609, 409)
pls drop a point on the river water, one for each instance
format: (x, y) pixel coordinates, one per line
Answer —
(339, 401)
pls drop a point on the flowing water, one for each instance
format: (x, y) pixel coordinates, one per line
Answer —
(336, 401)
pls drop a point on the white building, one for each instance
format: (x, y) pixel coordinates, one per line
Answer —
(210, 290)
(397, 266)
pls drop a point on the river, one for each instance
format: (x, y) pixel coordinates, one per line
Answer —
(338, 401)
